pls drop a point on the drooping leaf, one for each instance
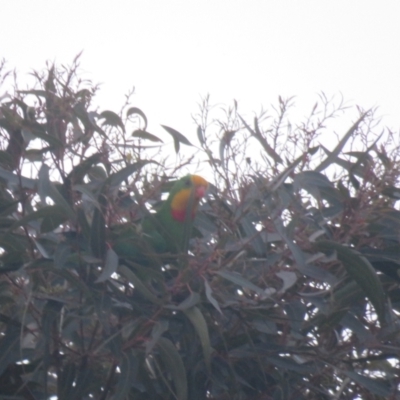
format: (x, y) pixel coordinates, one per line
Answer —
(128, 367)
(190, 301)
(79, 171)
(300, 258)
(240, 280)
(110, 266)
(377, 386)
(174, 364)
(98, 230)
(138, 111)
(138, 284)
(289, 364)
(200, 325)
(39, 131)
(17, 180)
(392, 192)
(66, 380)
(331, 158)
(177, 136)
(142, 134)
(361, 270)
(112, 119)
(252, 235)
(289, 278)
(210, 297)
(200, 135)
(118, 177)
(262, 140)
(158, 329)
(224, 143)
(51, 313)
(47, 188)
(84, 380)
(350, 321)
(6, 159)
(9, 347)
(51, 217)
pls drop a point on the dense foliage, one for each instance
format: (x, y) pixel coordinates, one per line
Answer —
(289, 290)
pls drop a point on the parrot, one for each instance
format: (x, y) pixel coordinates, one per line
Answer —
(169, 229)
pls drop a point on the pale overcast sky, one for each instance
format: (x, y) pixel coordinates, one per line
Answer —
(173, 51)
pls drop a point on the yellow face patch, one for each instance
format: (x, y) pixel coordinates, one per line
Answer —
(199, 181)
(181, 200)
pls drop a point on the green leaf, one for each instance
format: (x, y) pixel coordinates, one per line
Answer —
(138, 284)
(6, 159)
(84, 189)
(138, 111)
(319, 186)
(392, 192)
(51, 313)
(13, 242)
(47, 188)
(65, 382)
(84, 379)
(210, 297)
(178, 137)
(110, 266)
(39, 93)
(142, 134)
(353, 323)
(300, 257)
(190, 301)
(332, 156)
(287, 363)
(87, 119)
(289, 279)
(239, 280)
(279, 179)
(79, 171)
(128, 370)
(361, 270)
(39, 131)
(52, 217)
(158, 329)
(200, 325)
(97, 173)
(174, 364)
(252, 235)
(377, 386)
(118, 177)
(62, 255)
(34, 155)
(112, 119)
(98, 229)
(224, 143)
(262, 140)
(17, 180)
(9, 347)
(74, 281)
(200, 135)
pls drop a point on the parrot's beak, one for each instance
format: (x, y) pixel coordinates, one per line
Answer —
(200, 191)
(200, 186)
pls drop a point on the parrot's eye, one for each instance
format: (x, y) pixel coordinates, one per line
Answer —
(188, 182)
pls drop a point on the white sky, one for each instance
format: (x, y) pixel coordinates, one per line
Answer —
(173, 52)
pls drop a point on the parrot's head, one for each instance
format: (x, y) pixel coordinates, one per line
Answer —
(187, 192)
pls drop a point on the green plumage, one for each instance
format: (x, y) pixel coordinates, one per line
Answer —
(160, 232)
(166, 233)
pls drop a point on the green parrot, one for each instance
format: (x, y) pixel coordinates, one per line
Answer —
(169, 229)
